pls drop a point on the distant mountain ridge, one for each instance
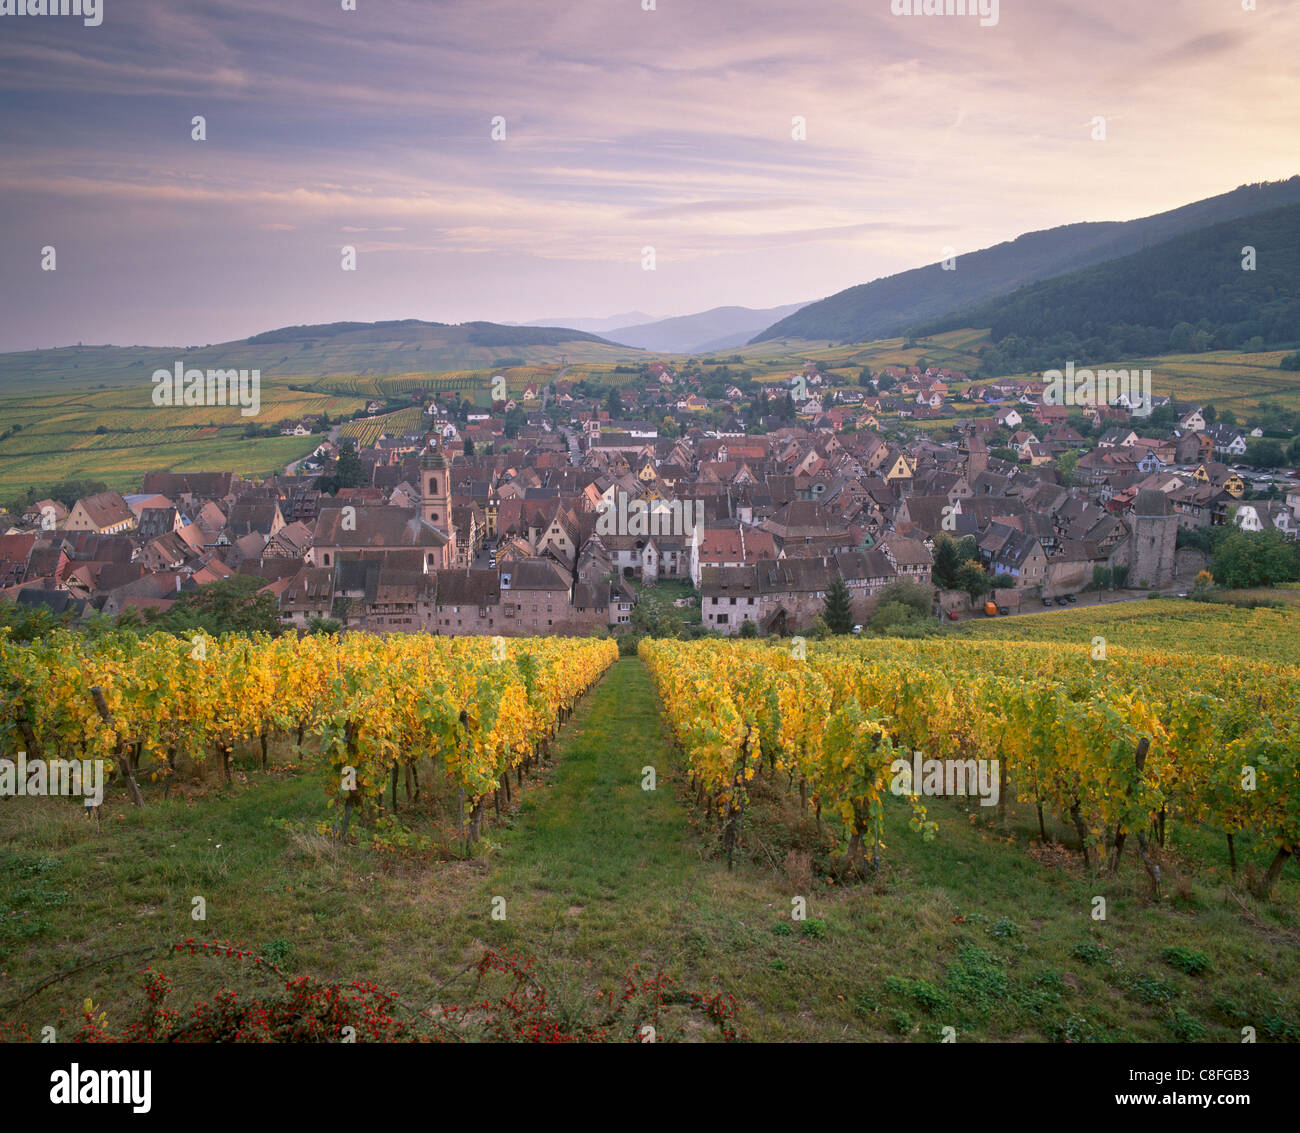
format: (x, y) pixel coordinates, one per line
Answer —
(719, 328)
(890, 306)
(591, 326)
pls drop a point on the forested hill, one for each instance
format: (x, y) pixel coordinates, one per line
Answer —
(891, 306)
(1190, 293)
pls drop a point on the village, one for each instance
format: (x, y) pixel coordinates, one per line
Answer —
(550, 512)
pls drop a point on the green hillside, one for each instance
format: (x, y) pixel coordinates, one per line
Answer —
(1189, 293)
(889, 307)
(329, 350)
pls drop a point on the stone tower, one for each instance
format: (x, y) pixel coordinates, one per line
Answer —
(976, 451)
(1152, 540)
(435, 497)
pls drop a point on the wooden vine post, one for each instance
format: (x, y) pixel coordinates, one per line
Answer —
(1152, 868)
(122, 758)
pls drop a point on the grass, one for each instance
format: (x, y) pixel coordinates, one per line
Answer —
(982, 930)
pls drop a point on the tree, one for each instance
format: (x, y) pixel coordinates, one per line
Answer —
(946, 562)
(614, 404)
(1265, 453)
(974, 579)
(26, 623)
(1160, 420)
(1120, 575)
(912, 595)
(1256, 558)
(1101, 576)
(323, 625)
(1182, 339)
(348, 472)
(838, 610)
(231, 605)
(864, 378)
(748, 628)
(469, 447)
(1290, 362)
(1065, 464)
(890, 615)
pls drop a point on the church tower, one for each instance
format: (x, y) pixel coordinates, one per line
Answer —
(435, 498)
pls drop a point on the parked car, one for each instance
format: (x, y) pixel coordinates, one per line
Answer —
(1047, 602)
(953, 616)
(1061, 602)
(1070, 598)
(990, 609)
(1004, 611)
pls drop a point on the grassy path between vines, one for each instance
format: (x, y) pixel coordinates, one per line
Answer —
(592, 851)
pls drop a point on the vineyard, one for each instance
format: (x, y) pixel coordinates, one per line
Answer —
(1171, 625)
(967, 919)
(367, 430)
(1114, 741)
(475, 709)
(461, 381)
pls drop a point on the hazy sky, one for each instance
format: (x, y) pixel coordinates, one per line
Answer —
(624, 128)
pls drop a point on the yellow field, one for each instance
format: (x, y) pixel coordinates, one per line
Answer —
(369, 429)
(1173, 624)
(58, 437)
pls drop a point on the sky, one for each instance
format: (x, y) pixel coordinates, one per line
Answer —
(624, 129)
